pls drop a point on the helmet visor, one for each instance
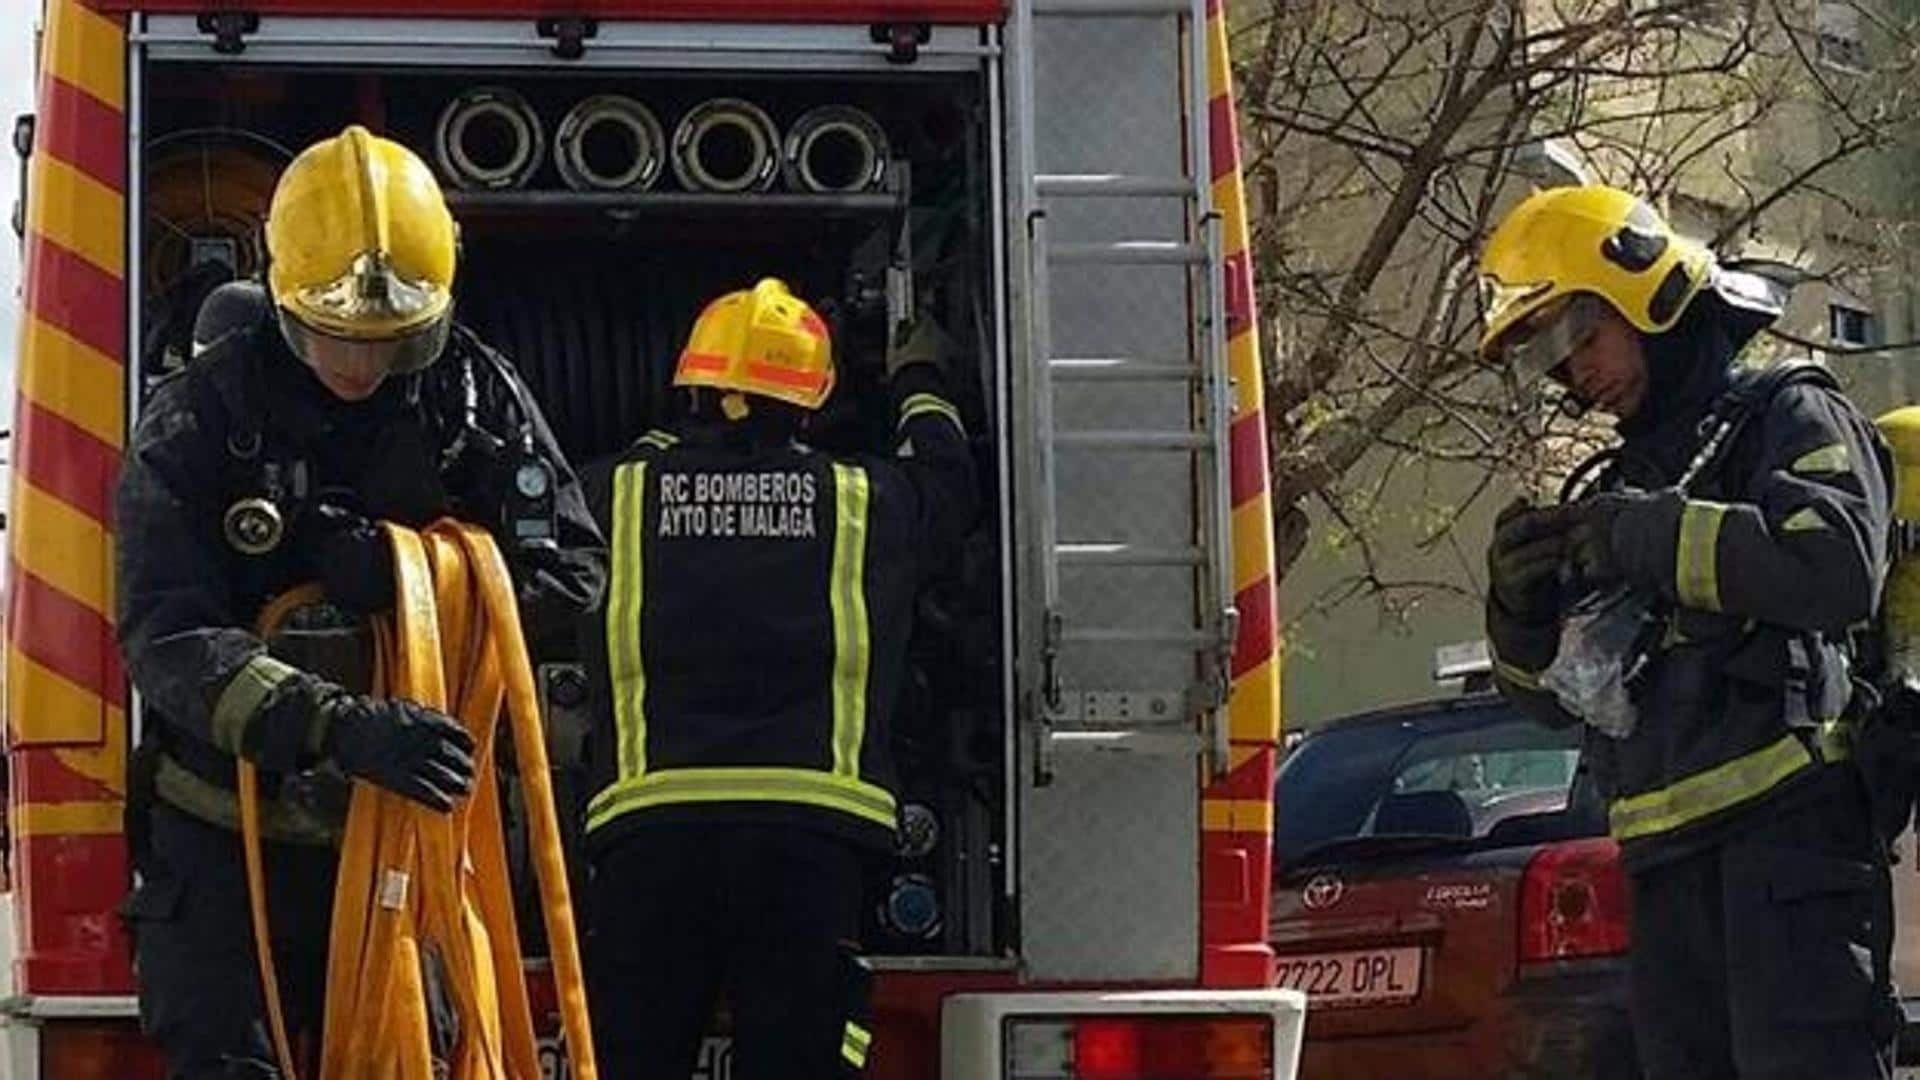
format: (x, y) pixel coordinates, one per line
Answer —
(370, 300)
(1543, 343)
(360, 360)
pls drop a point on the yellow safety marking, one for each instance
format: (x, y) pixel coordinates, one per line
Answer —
(1232, 211)
(1831, 458)
(1236, 815)
(1704, 793)
(44, 706)
(1252, 540)
(1243, 358)
(1805, 519)
(1253, 710)
(87, 50)
(105, 764)
(92, 818)
(60, 373)
(63, 547)
(1696, 569)
(79, 213)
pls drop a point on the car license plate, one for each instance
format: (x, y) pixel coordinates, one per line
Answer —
(1357, 977)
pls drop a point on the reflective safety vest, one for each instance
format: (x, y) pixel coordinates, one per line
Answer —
(755, 633)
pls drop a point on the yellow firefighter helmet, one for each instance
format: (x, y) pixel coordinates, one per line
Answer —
(1594, 240)
(1902, 430)
(362, 251)
(763, 341)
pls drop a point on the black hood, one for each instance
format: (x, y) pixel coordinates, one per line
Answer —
(1688, 368)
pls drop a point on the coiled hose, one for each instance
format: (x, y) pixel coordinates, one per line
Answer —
(415, 884)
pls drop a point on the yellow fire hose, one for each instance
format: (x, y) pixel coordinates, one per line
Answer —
(414, 881)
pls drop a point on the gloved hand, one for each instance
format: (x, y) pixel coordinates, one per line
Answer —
(1590, 540)
(918, 342)
(351, 557)
(1524, 560)
(399, 745)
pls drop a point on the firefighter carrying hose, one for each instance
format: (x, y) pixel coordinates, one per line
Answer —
(1742, 523)
(753, 645)
(340, 394)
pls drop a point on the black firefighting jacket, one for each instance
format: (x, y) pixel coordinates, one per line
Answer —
(1762, 569)
(757, 620)
(247, 420)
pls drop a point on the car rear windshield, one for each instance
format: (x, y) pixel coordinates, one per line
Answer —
(1482, 775)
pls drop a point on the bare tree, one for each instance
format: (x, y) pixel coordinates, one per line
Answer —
(1383, 139)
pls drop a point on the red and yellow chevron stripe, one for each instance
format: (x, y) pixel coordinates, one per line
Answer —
(65, 692)
(1237, 811)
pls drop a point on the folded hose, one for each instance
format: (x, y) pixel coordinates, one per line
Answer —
(419, 889)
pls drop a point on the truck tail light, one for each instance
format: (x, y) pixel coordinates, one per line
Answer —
(1141, 1048)
(1573, 902)
(76, 1050)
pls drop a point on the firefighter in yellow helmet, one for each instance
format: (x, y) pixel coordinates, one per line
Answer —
(753, 645)
(1737, 534)
(333, 397)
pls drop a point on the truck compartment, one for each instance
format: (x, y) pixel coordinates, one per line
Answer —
(589, 277)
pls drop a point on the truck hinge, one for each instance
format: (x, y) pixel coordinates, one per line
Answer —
(903, 40)
(229, 29)
(1218, 687)
(569, 34)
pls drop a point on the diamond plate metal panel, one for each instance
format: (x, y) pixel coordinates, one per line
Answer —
(1109, 95)
(1109, 882)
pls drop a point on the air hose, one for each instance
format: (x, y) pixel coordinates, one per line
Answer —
(420, 890)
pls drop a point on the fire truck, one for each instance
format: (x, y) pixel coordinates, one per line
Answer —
(1088, 736)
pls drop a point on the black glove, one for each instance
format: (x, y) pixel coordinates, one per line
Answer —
(1590, 540)
(402, 746)
(350, 556)
(1524, 560)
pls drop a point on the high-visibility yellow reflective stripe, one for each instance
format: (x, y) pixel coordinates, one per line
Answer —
(852, 648)
(89, 818)
(1696, 576)
(80, 214)
(854, 1045)
(1236, 815)
(1709, 792)
(65, 375)
(87, 50)
(1805, 519)
(1831, 458)
(62, 546)
(234, 709)
(1518, 676)
(658, 439)
(806, 787)
(919, 404)
(626, 666)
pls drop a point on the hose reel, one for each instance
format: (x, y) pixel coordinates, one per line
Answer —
(489, 139)
(726, 145)
(835, 149)
(609, 142)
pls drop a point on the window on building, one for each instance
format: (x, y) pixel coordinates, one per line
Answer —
(1852, 326)
(1837, 39)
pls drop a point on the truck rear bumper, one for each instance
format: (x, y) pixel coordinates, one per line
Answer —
(974, 1028)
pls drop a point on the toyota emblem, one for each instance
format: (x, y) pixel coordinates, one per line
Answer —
(1322, 892)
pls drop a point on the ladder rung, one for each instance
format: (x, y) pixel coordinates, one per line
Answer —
(1128, 555)
(1112, 184)
(1189, 637)
(1120, 369)
(1133, 440)
(1112, 8)
(1131, 253)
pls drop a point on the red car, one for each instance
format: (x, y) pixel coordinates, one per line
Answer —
(1447, 897)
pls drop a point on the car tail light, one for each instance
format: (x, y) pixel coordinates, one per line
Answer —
(75, 1050)
(1573, 902)
(1141, 1048)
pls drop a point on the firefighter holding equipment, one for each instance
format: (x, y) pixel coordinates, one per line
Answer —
(753, 645)
(1746, 513)
(342, 393)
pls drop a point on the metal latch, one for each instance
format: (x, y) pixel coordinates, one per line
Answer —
(569, 34)
(903, 40)
(229, 29)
